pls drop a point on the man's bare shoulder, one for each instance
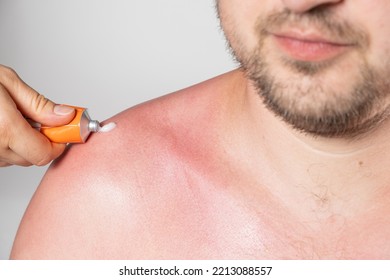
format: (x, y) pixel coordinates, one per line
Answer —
(104, 197)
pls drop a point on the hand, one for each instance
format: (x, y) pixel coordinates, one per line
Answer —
(20, 144)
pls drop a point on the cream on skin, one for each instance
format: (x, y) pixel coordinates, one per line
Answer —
(107, 127)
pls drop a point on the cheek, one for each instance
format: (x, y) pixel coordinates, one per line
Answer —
(376, 22)
(238, 19)
(379, 54)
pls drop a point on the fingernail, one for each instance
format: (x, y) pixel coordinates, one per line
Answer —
(63, 110)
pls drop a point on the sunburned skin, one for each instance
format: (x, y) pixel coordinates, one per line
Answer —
(175, 181)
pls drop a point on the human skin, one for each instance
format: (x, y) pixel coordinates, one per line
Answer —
(20, 144)
(210, 172)
(322, 66)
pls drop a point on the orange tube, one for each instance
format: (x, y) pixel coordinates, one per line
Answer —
(77, 131)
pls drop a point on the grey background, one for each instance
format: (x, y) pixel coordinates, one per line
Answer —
(104, 55)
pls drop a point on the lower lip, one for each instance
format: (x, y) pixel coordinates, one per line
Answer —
(309, 50)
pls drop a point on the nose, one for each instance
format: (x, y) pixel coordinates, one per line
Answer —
(301, 6)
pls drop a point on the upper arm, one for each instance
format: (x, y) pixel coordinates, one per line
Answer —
(83, 206)
(118, 195)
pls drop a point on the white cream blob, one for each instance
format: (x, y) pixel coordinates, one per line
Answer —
(107, 127)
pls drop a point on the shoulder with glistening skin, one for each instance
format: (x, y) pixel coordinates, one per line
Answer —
(117, 174)
(174, 127)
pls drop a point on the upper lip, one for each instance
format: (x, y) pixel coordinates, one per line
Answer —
(310, 36)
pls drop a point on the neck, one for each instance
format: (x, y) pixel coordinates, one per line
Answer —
(314, 171)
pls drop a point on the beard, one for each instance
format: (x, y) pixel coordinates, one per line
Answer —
(310, 97)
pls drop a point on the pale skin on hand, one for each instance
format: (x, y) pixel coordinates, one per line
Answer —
(20, 144)
(211, 172)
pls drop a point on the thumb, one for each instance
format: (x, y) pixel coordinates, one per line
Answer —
(46, 112)
(32, 104)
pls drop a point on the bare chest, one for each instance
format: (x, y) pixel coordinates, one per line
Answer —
(219, 226)
(188, 215)
(233, 237)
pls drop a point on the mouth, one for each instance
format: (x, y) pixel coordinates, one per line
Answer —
(309, 47)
